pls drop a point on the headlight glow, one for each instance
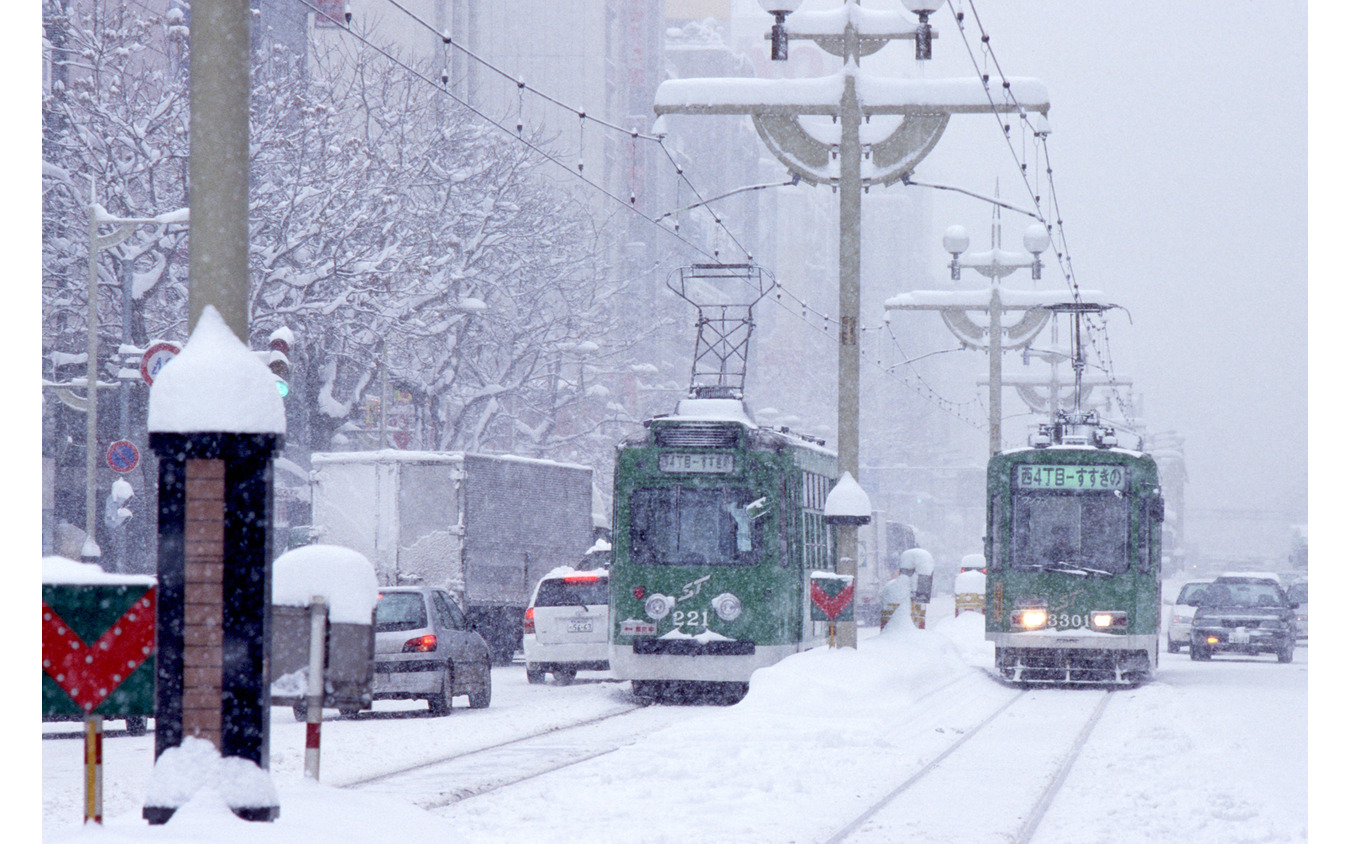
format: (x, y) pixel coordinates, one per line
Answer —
(1032, 618)
(1101, 619)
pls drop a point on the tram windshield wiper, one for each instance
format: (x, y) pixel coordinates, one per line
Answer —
(1070, 568)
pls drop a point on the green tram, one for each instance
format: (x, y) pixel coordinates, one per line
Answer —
(1074, 549)
(718, 523)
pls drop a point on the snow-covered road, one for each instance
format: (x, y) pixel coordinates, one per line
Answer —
(1207, 752)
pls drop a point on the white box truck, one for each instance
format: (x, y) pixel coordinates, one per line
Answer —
(486, 527)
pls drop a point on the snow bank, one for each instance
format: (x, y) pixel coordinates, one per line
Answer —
(196, 771)
(344, 578)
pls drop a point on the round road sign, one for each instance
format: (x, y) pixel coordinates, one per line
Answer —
(123, 456)
(154, 359)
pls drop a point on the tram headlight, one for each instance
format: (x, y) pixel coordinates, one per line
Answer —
(727, 606)
(1108, 620)
(1031, 619)
(658, 606)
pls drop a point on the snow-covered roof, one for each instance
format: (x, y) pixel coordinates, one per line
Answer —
(712, 410)
(394, 455)
(63, 571)
(343, 577)
(216, 384)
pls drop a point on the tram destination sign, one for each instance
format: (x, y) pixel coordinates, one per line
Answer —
(1072, 478)
(702, 463)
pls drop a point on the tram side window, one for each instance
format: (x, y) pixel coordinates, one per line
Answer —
(1076, 530)
(680, 526)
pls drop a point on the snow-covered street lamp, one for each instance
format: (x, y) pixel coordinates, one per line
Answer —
(851, 97)
(780, 9)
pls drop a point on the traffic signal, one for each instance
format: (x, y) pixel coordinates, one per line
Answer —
(278, 358)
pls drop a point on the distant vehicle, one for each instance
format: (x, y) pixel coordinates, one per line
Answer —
(1074, 549)
(425, 650)
(1183, 610)
(484, 527)
(974, 562)
(567, 625)
(1298, 594)
(1244, 613)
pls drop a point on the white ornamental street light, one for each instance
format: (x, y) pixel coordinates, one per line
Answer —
(850, 97)
(1036, 306)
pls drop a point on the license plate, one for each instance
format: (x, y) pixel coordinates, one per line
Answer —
(579, 626)
(1240, 636)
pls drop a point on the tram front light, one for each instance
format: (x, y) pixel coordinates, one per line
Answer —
(658, 606)
(1032, 619)
(727, 606)
(1107, 620)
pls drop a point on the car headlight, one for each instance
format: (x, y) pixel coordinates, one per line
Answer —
(1030, 619)
(727, 606)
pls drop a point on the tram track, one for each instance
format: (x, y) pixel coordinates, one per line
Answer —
(443, 781)
(1027, 743)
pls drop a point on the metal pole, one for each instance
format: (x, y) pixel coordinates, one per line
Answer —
(850, 275)
(91, 390)
(318, 621)
(218, 162)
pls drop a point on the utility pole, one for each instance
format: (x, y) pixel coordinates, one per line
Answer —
(776, 107)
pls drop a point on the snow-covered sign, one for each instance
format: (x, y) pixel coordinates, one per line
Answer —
(831, 596)
(98, 641)
(154, 359)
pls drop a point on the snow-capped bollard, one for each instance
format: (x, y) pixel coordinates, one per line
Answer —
(894, 595)
(919, 563)
(318, 624)
(969, 588)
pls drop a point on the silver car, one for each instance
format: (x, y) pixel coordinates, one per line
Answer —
(1183, 610)
(424, 649)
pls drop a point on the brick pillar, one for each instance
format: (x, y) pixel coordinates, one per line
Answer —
(203, 598)
(213, 616)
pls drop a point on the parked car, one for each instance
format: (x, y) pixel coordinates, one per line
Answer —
(567, 625)
(1183, 609)
(1298, 594)
(1244, 613)
(425, 649)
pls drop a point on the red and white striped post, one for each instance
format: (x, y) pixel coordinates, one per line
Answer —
(318, 622)
(93, 768)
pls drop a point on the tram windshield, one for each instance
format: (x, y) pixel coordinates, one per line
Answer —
(1082, 533)
(681, 526)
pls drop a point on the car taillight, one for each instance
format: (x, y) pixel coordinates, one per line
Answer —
(581, 578)
(529, 620)
(420, 644)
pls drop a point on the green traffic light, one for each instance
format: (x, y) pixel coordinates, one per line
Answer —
(283, 388)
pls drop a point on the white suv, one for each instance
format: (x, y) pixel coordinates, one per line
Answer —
(567, 625)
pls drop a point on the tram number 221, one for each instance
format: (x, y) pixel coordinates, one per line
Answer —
(695, 619)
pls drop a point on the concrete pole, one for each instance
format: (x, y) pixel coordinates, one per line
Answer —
(995, 369)
(218, 163)
(850, 279)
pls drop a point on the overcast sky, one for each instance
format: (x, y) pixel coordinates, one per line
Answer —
(1179, 145)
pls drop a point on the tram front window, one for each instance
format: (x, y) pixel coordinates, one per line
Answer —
(680, 526)
(1085, 532)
